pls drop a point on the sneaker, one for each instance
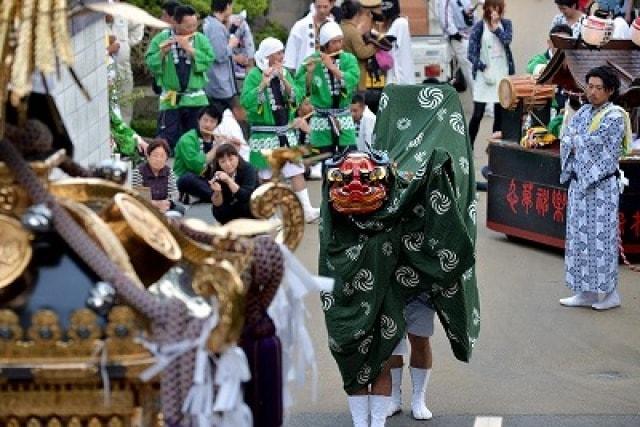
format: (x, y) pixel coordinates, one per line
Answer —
(611, 300)
(580, 299)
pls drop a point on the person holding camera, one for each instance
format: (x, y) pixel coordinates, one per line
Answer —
(232, 183)
(456, 20)
(220, 31)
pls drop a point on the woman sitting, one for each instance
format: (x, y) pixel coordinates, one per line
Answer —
(232, 184)
(158, 177)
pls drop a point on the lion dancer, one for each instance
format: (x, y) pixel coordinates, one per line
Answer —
(330, 78)
(270, 99)
(399, 243)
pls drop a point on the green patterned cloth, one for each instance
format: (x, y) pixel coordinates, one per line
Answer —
(422, 239)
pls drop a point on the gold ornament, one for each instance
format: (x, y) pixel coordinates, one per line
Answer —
(15, 250)
(221, 280)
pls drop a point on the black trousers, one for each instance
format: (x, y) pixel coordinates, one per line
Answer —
(195, 185)
(172, 124)
(476, 117)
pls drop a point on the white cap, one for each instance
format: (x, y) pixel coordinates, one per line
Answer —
(329, 31)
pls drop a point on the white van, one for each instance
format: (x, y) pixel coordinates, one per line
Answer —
(431, 52)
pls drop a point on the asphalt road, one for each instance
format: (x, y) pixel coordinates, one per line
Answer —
(536, 363)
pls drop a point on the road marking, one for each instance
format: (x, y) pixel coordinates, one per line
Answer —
(488, 422)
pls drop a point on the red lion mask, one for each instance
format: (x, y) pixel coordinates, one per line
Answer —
(358, 183)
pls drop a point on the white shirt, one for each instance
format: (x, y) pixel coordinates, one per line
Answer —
(301, 43)
(365, 130)
(229, 127)
(128, 34)
(403, 69)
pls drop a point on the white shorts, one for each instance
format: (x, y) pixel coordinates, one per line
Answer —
(289, 169)
(419, 314)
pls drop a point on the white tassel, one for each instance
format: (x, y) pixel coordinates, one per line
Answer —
(289, 315)
(232, 369)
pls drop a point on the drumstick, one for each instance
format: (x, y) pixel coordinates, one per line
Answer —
(621, 70)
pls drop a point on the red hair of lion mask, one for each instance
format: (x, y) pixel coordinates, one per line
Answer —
(358, 183)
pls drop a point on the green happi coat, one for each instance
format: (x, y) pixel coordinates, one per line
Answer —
(260, 115)
(422, 239)
(164, 71)
(322, 99)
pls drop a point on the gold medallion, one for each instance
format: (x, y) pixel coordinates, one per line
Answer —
(15, 250)
(147, 226)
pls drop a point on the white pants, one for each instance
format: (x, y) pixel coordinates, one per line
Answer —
(125, 86)
(459, 51)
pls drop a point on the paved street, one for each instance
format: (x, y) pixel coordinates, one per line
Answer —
(536, 363)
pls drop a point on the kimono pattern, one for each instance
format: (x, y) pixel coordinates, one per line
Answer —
(421, 240)
(589, 162)
(322, 94)
(259, 107)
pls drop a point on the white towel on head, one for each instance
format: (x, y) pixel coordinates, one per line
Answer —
(267, 47)
(329, 31)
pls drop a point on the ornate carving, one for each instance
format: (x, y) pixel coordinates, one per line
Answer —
(10, 329)
(121, 330)
(84, 326)
(101, 234)
(265, 202)
(148, 241)
(221, 280)
(45, 327)
(15, 249)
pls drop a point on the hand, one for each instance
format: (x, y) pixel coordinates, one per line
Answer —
(113, 48)
(311, 65)
(185, 43)
(166, 46)
(327, 60)
(215, 186)
(241, 59)
(495, 19)
(300, 123)
(233, 41)
(162, 205)
(222, 176)
(142, 144)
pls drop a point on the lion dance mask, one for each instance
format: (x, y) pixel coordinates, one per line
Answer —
(358, 183)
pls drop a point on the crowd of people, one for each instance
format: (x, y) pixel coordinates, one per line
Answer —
(320, 89)
(222, 103)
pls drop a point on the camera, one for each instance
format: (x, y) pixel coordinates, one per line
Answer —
(233, 28)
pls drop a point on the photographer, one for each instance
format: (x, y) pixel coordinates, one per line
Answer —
(456, 20)
(220, 31)
(232, 184)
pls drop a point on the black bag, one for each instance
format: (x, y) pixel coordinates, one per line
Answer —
(458, 82)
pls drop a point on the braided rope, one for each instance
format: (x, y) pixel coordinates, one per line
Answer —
(625, 261)
(168, 318)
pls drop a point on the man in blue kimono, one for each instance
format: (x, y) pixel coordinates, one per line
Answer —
(595, 139)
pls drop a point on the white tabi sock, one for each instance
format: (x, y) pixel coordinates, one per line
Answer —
(359, 407)
(379, 407)
(310, 213)
(419, 381)
(396, 391)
